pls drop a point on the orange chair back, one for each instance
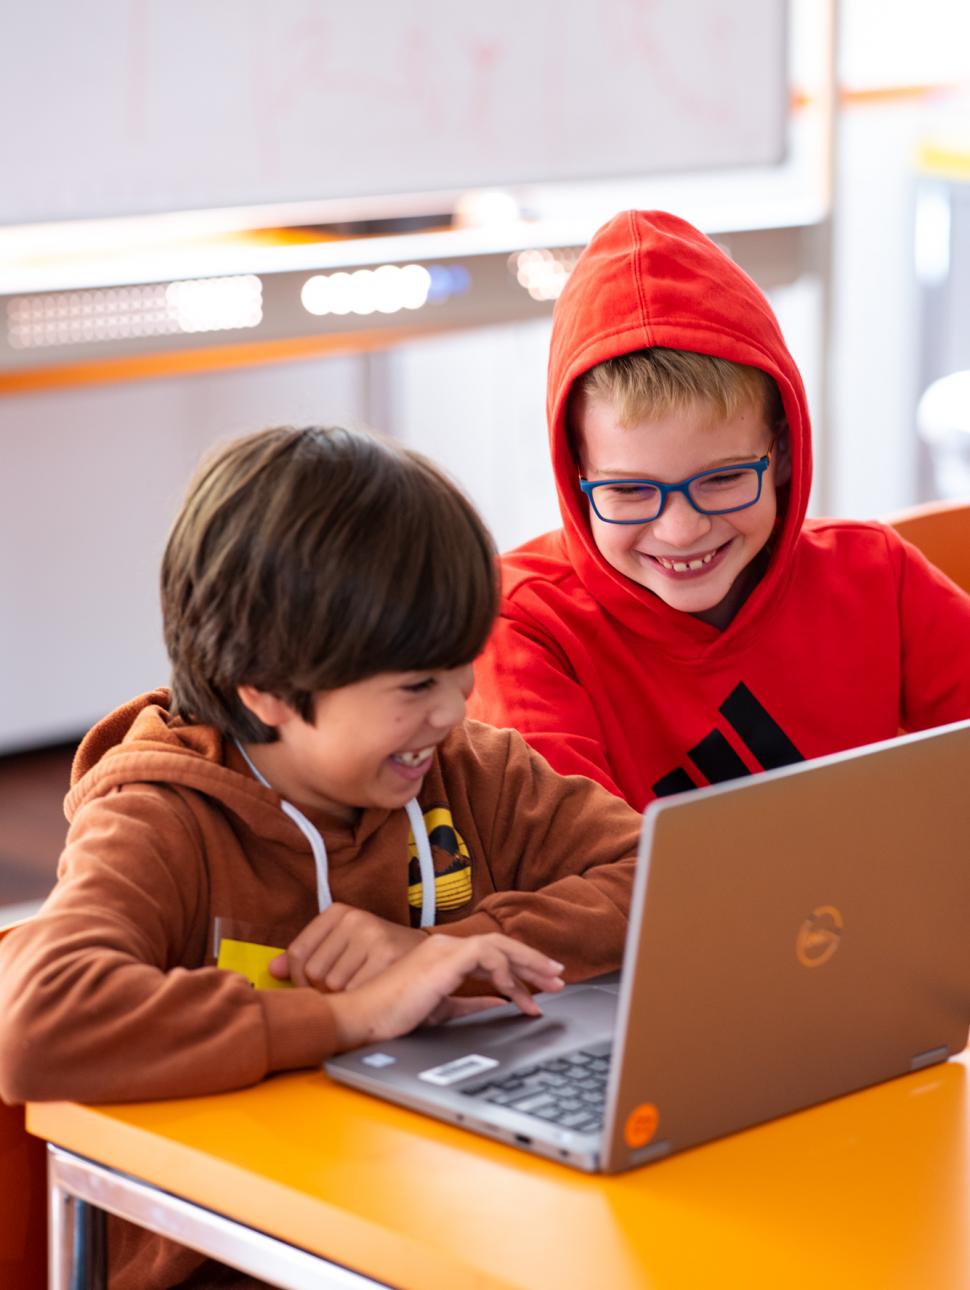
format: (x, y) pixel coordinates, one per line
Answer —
(941, 530)
(23, 1201)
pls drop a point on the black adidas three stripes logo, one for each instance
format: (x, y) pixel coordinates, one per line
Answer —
(716, 759)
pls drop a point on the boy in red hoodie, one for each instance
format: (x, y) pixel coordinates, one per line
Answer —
(687, 624)
(304, 809)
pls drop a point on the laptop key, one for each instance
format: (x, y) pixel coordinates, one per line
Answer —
(551, 1112)
(503, 1096)
(570, 1103)
(532, 1102)
(575, 1120)
(586, 1123)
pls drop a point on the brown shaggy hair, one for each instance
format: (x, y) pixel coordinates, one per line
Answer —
(307, 559)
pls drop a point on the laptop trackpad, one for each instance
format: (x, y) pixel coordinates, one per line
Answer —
(582, 1014)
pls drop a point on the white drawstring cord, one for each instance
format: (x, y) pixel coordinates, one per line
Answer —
(425, 863)
(319, 848)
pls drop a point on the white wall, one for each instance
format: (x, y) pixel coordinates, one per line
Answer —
(877, 338)
(91, 478)
(475, 402)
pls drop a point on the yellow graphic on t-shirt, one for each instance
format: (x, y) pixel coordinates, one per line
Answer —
(453, 879)
(252, 961)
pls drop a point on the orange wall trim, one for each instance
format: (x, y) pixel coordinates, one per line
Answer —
(849, 97)
(214, 358)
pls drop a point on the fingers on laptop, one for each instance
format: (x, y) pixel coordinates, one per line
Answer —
(510, 966)
(417, 988)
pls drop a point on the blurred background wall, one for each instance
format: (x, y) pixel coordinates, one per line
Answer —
(859, 232)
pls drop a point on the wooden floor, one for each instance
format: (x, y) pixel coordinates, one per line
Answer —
(32, 824)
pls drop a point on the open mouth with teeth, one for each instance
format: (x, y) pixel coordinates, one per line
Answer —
(412, 760)
(690, 564)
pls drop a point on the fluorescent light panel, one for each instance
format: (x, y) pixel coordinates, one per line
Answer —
(127, 313)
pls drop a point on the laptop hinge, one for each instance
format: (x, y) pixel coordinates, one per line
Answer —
(653, 1152)
(929, 1058)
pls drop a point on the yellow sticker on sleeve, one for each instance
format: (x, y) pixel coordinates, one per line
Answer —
(252, 961)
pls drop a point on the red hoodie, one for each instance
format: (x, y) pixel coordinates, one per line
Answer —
(849, 635)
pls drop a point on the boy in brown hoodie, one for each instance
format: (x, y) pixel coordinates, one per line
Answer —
(306, 811)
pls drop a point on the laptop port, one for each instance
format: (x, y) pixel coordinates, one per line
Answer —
(523, 1139)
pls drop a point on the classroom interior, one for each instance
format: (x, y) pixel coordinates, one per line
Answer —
(150, 313)
(216, 218)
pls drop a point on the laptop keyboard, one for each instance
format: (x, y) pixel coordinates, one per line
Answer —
(569, 1090)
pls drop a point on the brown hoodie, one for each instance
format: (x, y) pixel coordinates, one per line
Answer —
(111, 993)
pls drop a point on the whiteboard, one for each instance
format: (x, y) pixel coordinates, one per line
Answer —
(122, 107)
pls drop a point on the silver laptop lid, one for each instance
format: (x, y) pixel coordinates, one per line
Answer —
(793, 937)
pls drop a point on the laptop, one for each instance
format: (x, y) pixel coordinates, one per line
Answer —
(793, 937)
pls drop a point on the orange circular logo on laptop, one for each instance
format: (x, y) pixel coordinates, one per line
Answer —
(641, 1125)
(819, 936)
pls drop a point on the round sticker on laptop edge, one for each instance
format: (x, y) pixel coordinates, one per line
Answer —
(641, 1125)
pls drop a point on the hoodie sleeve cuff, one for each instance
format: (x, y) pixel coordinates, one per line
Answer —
(301, 1029)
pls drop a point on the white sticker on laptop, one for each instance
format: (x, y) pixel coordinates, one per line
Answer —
(458, 1069)
(378, 1059)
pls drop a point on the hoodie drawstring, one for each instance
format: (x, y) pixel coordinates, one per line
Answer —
(319, 848)
(425, 863)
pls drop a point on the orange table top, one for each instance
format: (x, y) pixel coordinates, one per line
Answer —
(869, 1190)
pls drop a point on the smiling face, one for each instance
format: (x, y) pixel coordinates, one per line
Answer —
(705, 565)
(369, 744)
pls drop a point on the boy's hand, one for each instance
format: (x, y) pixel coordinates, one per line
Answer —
(417, 987)
(342, 948)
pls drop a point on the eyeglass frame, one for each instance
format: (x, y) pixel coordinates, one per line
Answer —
(759, 467)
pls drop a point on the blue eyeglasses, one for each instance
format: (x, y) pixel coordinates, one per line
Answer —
(712, 492)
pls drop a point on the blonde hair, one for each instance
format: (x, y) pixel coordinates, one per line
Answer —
(655, 382)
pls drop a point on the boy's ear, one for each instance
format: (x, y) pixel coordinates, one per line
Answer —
(781, 459)
(270, 709)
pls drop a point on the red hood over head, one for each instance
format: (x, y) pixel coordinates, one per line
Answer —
(650, 279)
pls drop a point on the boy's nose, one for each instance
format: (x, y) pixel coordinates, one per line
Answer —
(679, 524)
(452, 696)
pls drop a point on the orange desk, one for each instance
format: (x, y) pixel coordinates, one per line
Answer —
(871, 1190)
